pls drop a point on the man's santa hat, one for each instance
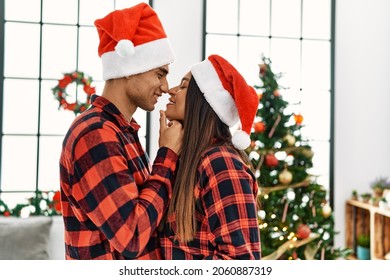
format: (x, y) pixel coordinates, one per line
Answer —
(132, 41)
(227, 92)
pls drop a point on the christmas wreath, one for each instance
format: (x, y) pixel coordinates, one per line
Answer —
(59, 91)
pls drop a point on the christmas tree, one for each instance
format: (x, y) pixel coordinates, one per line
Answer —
(295, 220)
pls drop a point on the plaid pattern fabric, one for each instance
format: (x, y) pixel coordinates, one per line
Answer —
(226, 212)
(112, 199)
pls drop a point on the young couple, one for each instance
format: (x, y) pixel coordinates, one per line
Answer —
(198, 198)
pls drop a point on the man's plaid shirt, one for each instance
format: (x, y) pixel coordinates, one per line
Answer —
(112, 199)
(226, 212)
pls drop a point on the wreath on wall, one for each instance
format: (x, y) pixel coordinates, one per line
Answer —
(59, 91)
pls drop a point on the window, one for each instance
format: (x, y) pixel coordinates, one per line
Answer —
(297, 36)
(42, 41)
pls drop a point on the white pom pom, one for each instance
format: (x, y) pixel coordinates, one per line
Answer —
(125, 48)
(241, 140)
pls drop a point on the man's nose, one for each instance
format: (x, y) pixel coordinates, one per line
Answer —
(164, 86)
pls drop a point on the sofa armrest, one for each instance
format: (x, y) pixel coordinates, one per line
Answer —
(56, 244)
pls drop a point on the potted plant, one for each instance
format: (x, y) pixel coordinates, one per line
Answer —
(374, 200)
(363, 247)
(365, 197)
(382, 203)
(354, 195)
(379, 185)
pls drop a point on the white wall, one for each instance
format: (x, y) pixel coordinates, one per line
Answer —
(362, 99)
(362, 87)
(182, 21)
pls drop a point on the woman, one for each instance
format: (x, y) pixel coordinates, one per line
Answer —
(213, 213)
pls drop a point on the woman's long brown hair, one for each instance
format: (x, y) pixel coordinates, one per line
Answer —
(201, 128)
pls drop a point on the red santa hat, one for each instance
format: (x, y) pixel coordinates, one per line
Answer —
(227, 92)
(132, 41)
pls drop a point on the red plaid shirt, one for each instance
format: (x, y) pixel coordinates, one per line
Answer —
(226, 212)
(112, 200)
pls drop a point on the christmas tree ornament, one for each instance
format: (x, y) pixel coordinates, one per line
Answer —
(308, 153)
(259, 127)
(261, 214)
(285, 177)
(276, 93)
(277, 121)
(326, 211)
(262, 69)
(285, 209)
(290, 139)
(260, 95)
(271, 160)
(290, 194)
(303, 231)
(298, 119)
(254, 155)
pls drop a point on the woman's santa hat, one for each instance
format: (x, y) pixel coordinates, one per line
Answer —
(132, 41)
(227, 92)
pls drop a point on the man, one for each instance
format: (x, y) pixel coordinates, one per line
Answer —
(112, 199)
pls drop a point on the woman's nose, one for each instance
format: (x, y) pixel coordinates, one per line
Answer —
(172, 91)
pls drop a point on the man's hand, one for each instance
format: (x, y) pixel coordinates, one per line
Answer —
(171, 134)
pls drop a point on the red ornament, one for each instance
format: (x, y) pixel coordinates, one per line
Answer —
(298, 119)
(263, 68)
(294, 255)
(271, 160)
(7, 214)
(259, 127)
(303, 231)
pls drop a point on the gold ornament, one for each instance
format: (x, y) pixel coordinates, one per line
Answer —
(290, 139)
(326, 211)
(285, 177)
(307, 153)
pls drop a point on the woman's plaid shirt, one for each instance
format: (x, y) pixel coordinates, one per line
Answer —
(226, 212)
(112, 200)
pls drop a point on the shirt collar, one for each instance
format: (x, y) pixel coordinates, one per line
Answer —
(111, 109)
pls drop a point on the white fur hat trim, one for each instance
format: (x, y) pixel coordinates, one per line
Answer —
(125, 48)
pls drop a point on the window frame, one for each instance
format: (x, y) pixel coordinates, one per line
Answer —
(34, 191)
(332, 78)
